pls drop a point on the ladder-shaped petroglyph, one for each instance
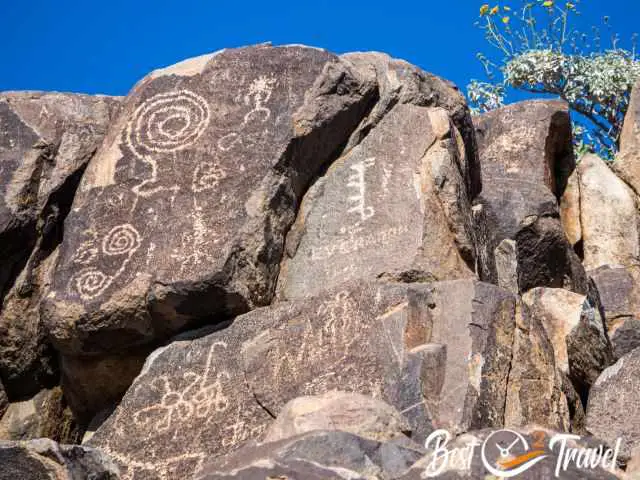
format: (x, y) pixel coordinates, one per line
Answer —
(164, 124)
(357, 182)
(257, 96)
(90, 282)
(193, 396)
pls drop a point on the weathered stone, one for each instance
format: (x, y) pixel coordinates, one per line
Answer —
(476, 323)
(612, 411)
(27, 360)
(627, 163)
(480, 451)
(506, 259)
(4, 401)
(92, 384)
(44, 415)
(348, 412)
(45, 459)
(534, 376)
(233, 139)
(526, 157)
(316, 456)
(570, 209)
(204, 397)
(576, 331)
(608, 215)
(47, 140)
(545, 257)
(400, 190)
(619, 291)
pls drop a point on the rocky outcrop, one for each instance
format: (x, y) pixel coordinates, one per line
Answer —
(608, 216)
(526, 160)
(611, 411)
(627, 162)
(348, 412)
(46, 141)
(42, 458)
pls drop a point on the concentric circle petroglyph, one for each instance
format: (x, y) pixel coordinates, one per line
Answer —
(90, 282)
(121, 240)
(168, 122)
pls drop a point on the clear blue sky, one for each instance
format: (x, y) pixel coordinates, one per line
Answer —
(105, 46)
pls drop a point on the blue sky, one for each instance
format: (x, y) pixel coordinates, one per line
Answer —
(106, 46)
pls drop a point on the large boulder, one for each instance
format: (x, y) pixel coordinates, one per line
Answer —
(612, 411)
(45, 459)
(47, 141)
(400, 190)
(348, 412)
(627, 162)
(44, 415)
(608, 216)
(526, 158)
(619, 291)
(576, 331)
(181, 216)
(318, 455)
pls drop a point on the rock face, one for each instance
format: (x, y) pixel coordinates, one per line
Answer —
(46, 140)
(608, 216)
(44, 415)
(526, 159)
(39, 459)
(627, 163)
(348, 412)
(319, 455)
(576, 330)
(619, 292)
(611, 411)
(384, 196)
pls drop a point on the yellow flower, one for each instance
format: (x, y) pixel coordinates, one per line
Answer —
(548, 3)
(494, 10)
(505, 20)
(484, 9)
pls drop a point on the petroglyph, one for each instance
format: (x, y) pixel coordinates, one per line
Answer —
(355, 243)
(91, 282)
(358, 182)
(165, 123)
(207, 176)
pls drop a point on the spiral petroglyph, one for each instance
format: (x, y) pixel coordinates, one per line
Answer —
(167, 122)
(90, 283)
(121, 240)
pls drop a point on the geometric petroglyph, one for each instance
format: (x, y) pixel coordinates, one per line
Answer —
(197, 398)
(90, 282)
(357, 181)
(165, 123)
(207, 176)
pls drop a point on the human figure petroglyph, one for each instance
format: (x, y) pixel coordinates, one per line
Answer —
(165, 124)
(357, 181)
(90, 282)
(258, 94)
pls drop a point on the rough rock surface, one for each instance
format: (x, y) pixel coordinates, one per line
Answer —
(44, 415)
(182, 213)
(231, 383)
(612, 411)
(45, 459)
(46, 140)
(576, 330)
(627, 163)
(608, 216)
(348, 412)
(526, 158)
(619, 292)
(319, 455)
(381, 198)
(570, 210)
(4, 401)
